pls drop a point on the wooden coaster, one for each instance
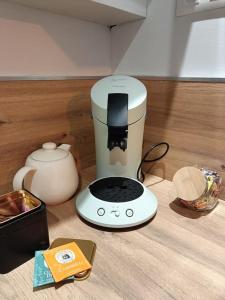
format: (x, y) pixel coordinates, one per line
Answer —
(190, 183)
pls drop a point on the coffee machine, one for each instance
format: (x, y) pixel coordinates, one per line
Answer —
(118, 110)
(116, 198)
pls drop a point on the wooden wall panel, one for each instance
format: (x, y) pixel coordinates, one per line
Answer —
(190, 116)
(34, 112)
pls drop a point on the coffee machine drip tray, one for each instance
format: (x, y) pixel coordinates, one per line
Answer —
(116, 189)
(116, 202)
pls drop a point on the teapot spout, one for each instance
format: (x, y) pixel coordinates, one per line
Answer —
(64, 147)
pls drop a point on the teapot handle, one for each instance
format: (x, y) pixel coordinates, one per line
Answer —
(19, 177)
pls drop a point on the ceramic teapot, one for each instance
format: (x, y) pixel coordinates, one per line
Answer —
(49, 173)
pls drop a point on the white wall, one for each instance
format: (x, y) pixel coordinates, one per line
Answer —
(166, 45)
(133, 6)
(34, 42)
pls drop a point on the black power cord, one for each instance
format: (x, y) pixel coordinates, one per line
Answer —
(144, 160)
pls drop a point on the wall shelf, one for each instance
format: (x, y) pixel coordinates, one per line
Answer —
(107, 12)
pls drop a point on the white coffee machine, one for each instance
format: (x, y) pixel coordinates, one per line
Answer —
(117, 199)
(118, 109)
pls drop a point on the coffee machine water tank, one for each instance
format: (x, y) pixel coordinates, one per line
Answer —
(118, 109)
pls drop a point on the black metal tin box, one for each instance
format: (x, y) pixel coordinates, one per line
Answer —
(21, 235)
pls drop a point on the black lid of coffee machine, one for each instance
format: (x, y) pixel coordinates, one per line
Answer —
(117, 120)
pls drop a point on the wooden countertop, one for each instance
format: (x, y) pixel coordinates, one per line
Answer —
(179, 255)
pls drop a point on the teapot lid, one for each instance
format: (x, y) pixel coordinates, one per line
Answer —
(49, 152)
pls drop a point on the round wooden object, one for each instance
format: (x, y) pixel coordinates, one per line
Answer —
(190, 183)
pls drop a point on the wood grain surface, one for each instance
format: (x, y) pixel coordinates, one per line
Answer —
(188, 115)
(179, 255)
(190, 183)
(34, 112)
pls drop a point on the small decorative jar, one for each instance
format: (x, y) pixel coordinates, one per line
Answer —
(198, 189)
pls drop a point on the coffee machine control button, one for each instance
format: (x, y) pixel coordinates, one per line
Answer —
(116, 213)
(129, 212)
(101, 211)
